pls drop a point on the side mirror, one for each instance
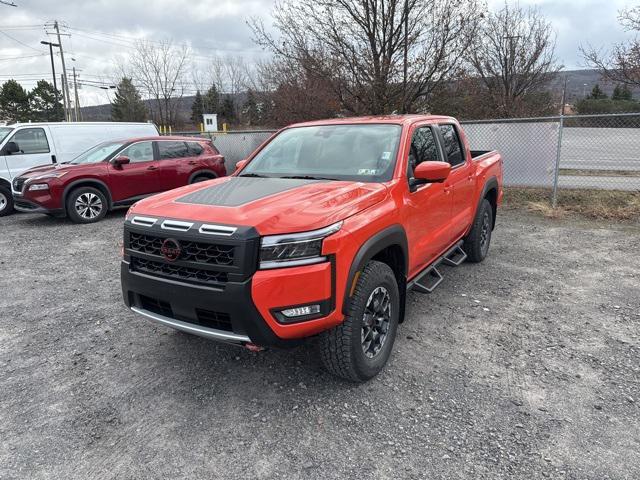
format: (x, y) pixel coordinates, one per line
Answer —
(240, 165)
(432, 172)
(119, 161)
(10, 148)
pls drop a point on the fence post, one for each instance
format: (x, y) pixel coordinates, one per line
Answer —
(556, 173)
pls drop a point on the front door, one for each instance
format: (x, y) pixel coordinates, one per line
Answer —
(428, 206)
(35, 148)
(139, 177)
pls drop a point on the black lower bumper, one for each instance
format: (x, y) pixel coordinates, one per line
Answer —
(27, 206)
(165, 300)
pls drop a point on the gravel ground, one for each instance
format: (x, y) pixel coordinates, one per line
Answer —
(525, 366)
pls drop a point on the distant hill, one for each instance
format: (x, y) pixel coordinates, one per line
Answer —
(579, 84)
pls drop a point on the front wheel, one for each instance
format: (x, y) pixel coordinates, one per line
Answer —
(476, 244)
(86, 205)
(358, 348)
(6, 201)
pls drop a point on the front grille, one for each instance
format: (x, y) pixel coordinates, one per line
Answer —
(18, 183)
(156, 306)
(212, 254)
(215, 320)
(177, 272)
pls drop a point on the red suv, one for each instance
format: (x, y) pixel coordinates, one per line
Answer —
(116, 174)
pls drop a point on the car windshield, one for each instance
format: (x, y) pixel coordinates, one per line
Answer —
(363, 153)
(4, 131)
(98, 153)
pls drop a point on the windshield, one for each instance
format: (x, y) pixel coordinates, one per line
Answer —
(4, 131)
(98, 153)
(362, 153)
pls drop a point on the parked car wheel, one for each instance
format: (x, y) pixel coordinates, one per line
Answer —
(201, 178)
(86, 205)
(6, 201)
(476, 244)
(359, 348)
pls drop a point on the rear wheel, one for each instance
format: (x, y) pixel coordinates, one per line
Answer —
(86, 205)
(200, 178)
(358, 349)
(476, 244)
(6, 201)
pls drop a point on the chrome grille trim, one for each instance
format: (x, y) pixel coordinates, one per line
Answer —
(217, 230)
(176, 225)
(144, 221)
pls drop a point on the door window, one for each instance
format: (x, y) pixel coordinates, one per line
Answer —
(173, 150)
(31, 140)
(423, 148)
(452, 145)
(138, 152)
(195, 149)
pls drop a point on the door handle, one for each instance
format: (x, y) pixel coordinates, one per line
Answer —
(152, 168)
(191, 162)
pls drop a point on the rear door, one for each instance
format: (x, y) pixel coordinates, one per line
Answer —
(138, 178)
(176, 163)
(427, 207)
(461, 180)
(35, 147)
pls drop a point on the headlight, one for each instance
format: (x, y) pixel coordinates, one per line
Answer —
(38, 186)
(277, 251)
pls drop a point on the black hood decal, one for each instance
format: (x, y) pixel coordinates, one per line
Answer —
(240, 190)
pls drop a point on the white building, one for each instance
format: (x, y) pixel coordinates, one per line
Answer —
(210, 121)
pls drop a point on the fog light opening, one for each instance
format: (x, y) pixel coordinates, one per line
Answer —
(301, 311)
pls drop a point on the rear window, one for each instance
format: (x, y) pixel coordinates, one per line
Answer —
(195, 148)
(169, 150)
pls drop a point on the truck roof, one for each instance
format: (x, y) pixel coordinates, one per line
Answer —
(392, 119)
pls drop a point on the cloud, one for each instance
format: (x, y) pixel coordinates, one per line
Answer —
(102, 30)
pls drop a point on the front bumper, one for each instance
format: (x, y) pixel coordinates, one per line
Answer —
(242, 311)
(21, 204)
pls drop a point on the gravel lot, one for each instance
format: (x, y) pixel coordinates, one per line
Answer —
(525, 366)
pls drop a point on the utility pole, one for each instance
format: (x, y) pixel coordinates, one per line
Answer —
(53, 69)
(65, 104)
(64, 69)
(77, 100)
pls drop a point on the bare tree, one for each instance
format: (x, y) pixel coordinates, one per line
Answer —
(514, 56)
(159, 68)
(622, 64)
(379, 55)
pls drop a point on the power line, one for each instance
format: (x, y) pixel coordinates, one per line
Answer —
(21, 57)
(21, 43)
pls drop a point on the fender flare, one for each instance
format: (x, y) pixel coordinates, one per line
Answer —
(491, 183)
(197, 173)
(89, 182)
(392, 235)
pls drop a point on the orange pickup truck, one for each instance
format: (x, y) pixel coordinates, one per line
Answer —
(319, 233)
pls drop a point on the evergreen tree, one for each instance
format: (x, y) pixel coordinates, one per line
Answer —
(597, 93)
(14, 102)
(621, 92)
(211, 100)
(197, 109)
(128, 105)
(228, 110)
(250, 109)
(44, 107)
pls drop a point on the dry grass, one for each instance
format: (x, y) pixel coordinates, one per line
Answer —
(597, 204)
(599, 173)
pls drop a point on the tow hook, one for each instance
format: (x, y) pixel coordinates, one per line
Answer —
(253, 347)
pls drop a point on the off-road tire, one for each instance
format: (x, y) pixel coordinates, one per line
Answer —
(476, 244)
(90, 194)
(6, 201)
(341, 348)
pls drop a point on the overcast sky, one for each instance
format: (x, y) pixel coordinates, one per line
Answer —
(212, 27)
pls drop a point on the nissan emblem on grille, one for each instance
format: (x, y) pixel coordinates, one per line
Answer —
(171, 249)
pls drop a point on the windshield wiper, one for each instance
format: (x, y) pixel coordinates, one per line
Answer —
(307, 177)
(254, 175)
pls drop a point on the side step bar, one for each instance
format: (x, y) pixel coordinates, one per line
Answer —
(427, 280)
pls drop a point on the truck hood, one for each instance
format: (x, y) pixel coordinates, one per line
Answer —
(271, 205)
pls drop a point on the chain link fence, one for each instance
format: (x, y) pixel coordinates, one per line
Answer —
(573, 151)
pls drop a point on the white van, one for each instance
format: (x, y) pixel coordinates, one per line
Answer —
(26, 145)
